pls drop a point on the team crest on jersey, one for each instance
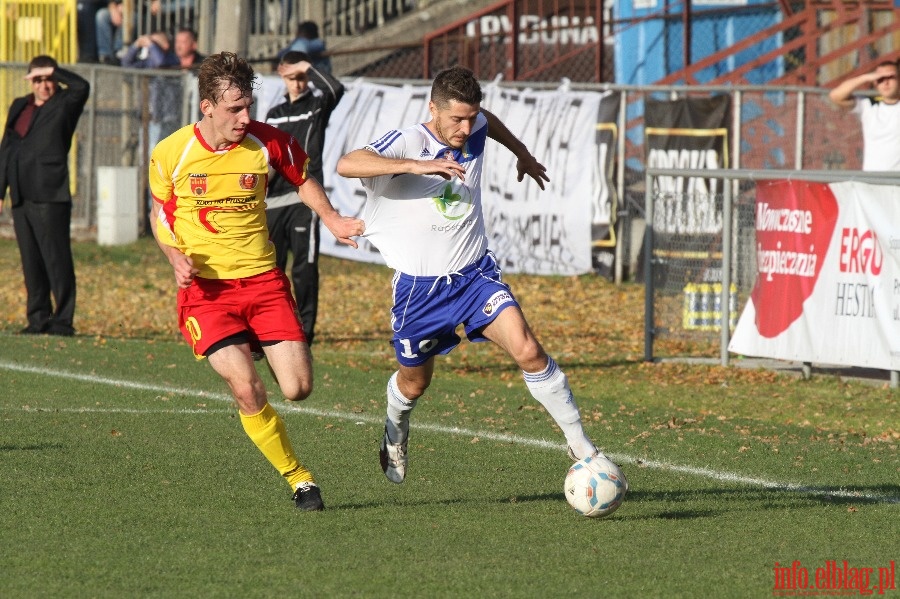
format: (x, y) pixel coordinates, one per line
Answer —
(249, 181)
(198, 184)
(448, 154)
(455, 202)
(495, 301)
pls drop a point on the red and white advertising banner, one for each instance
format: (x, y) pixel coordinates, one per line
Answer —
(828, 283)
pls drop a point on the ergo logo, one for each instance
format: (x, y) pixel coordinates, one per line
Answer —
(860, 252)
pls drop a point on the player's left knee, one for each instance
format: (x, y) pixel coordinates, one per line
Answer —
(530, 356)
(299, 391)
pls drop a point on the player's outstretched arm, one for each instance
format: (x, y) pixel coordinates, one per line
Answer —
(342, 227)
(362, 164)
(526, 163)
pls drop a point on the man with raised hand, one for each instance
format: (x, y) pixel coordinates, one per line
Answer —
(34, 166)
(879, 114)
(293, 227)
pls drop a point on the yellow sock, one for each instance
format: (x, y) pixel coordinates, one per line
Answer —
(266, 429)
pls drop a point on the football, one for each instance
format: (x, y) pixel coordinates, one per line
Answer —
(595, 487)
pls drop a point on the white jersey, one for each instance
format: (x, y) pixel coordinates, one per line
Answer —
(881, 134)
(425, 225)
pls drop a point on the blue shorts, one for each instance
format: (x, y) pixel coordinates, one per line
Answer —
(427, 310)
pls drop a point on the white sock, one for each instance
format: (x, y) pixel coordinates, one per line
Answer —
(551, 388)
(398, 409)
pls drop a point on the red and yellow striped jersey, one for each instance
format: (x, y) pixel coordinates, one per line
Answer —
(213, 201)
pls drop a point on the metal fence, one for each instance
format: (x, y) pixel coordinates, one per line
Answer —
(352, 17)
(528, 40)
(772, 128)
(791, 128)
(697, 280)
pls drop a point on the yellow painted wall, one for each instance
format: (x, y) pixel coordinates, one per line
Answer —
(29, 28)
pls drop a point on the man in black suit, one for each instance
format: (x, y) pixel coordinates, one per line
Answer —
(34, 165)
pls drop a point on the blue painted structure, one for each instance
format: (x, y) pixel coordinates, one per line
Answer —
(648, 50)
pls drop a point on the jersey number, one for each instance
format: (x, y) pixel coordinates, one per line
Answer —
(425, 346)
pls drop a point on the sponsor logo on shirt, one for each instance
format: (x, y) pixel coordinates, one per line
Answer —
(425, 153)
(249, 181)
(495, 301)
(198, 183)
(455, 202)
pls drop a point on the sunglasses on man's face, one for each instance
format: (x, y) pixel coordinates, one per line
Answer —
(881, 80)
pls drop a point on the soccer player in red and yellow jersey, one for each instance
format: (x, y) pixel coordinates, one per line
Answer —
(208, 182)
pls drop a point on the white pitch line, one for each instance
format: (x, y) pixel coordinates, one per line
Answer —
(173, 411)
(718, 475)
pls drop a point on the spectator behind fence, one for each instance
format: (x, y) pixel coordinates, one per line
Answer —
(308, 42)
(293, 227)
(186, 48)
(879, 115)
(149, 15)
(87, 29)
(34, 165)
(108, 25)
(154, 51)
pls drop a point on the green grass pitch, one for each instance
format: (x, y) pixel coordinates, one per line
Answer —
(124, 470)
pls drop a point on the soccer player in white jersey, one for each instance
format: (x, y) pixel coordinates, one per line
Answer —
(423, 213)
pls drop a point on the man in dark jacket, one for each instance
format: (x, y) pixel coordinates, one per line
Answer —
(293, 226)
(34, 165)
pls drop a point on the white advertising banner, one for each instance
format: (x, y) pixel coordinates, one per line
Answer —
(828, 288)
(531, 231)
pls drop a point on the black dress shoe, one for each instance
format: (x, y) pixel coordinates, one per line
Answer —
(32, 330)
(60, 330)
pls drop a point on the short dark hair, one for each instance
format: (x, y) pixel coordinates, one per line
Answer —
(293, 57)
(188, 30)
(308, 30)
(42, 61)
(456, 83)
(224, 67)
